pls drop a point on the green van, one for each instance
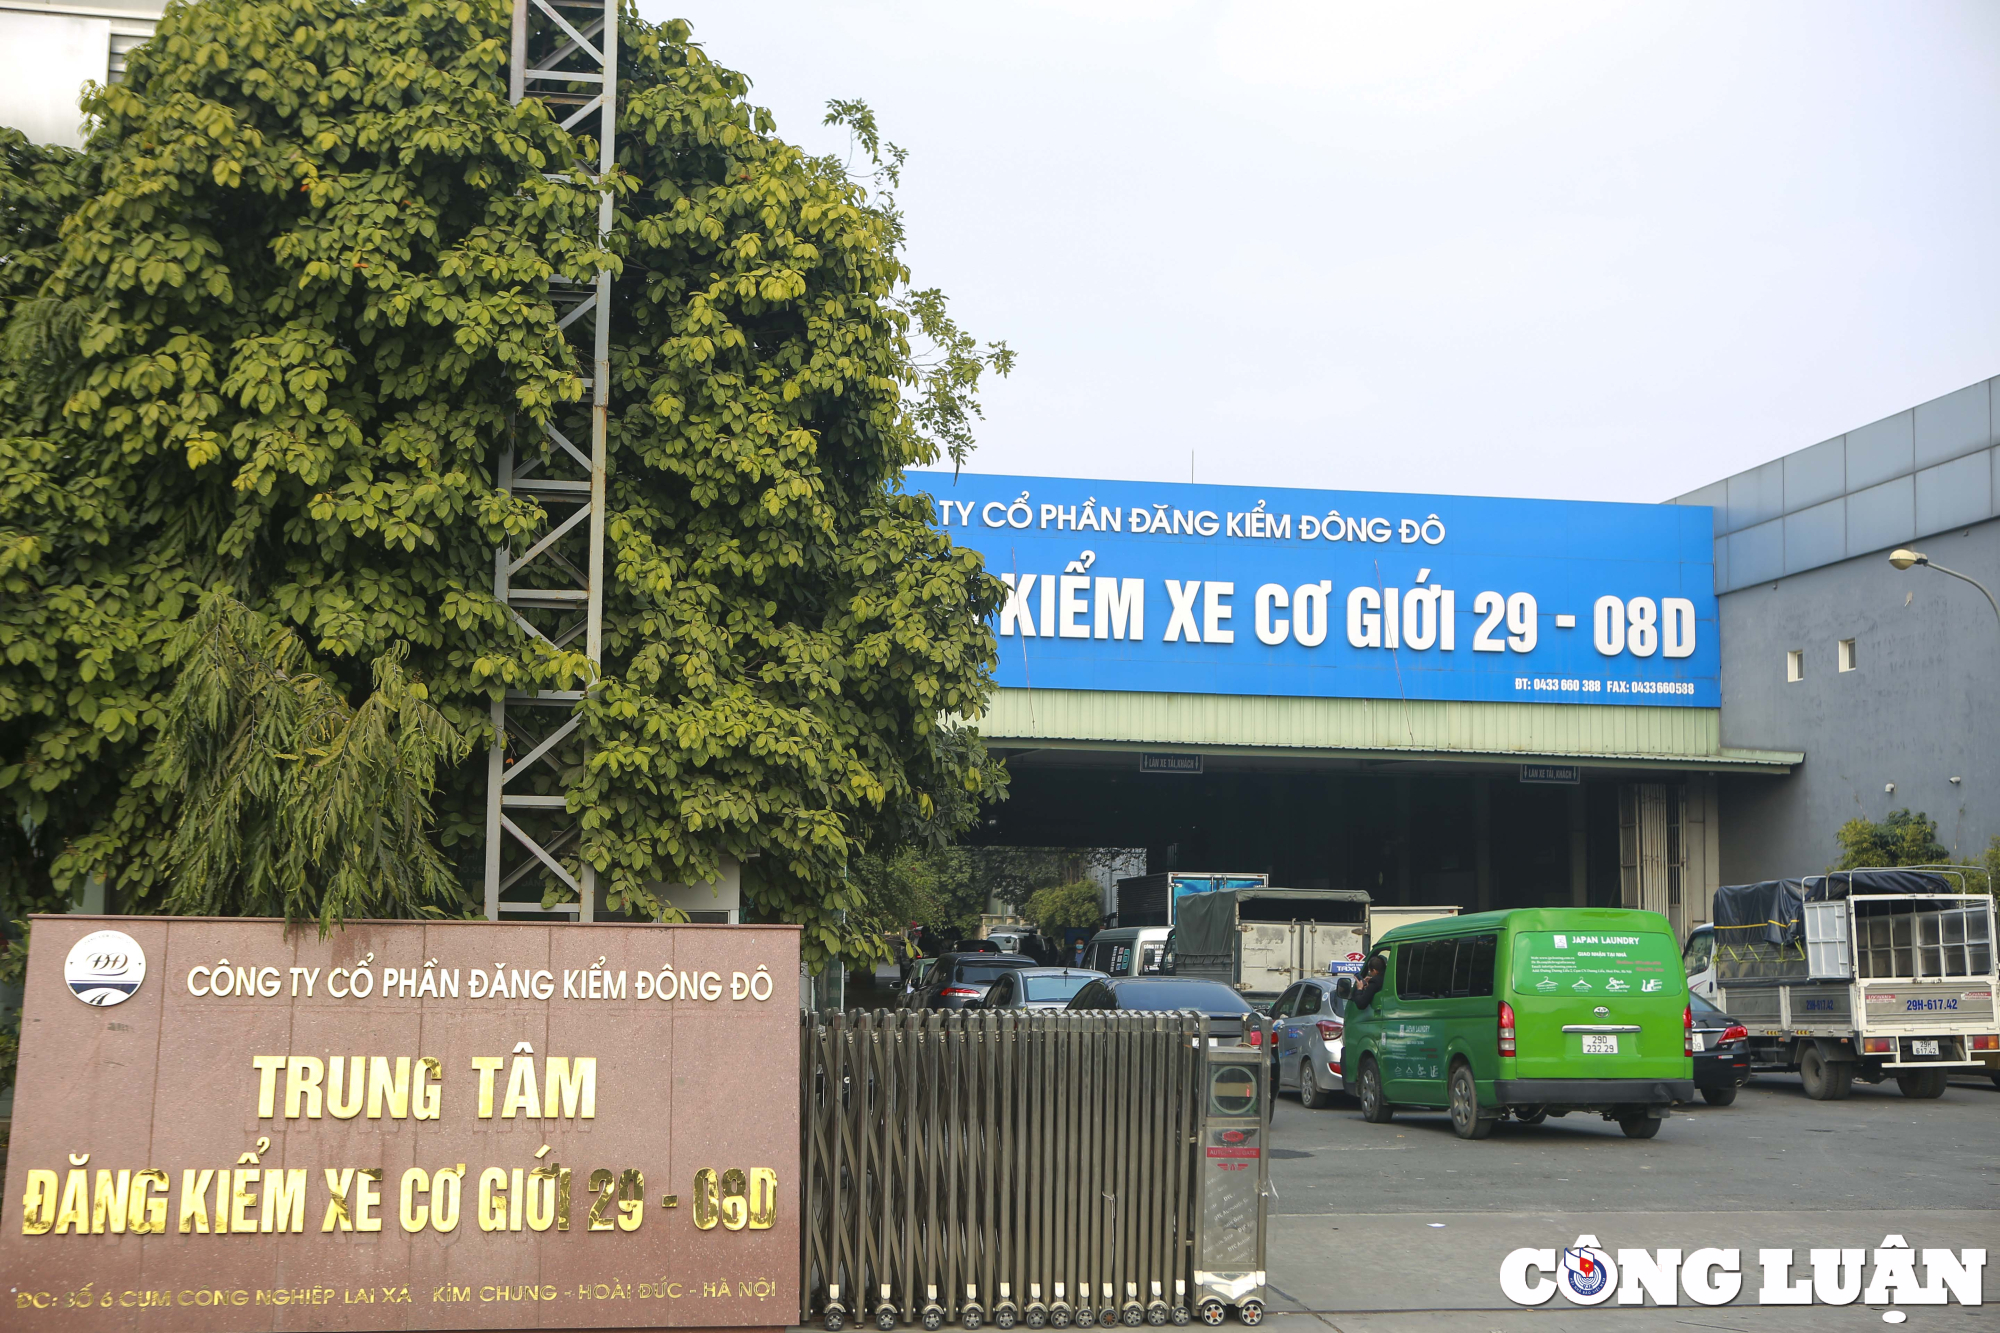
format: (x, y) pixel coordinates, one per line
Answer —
(1527, 1013)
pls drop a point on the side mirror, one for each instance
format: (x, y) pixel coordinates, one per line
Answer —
(1343, 986)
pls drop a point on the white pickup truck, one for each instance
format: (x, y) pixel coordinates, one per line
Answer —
(1867, 974)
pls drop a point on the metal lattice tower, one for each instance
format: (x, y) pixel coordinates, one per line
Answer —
(555, 589)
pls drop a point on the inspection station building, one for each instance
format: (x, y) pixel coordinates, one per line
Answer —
(1499, 702)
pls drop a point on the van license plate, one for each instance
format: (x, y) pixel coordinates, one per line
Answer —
(1599, 1045)
(1923, 1048)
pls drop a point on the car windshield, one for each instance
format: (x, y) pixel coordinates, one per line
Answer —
(1055, 988)
(1702, 1008)
(982, 972)
(1210, 997)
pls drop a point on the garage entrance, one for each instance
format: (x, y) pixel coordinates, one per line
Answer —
(1475, 836)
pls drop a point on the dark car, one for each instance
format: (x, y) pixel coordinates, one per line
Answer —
(957, 978)
(1721, 1053)
(1035, 988)
(1231, 1019)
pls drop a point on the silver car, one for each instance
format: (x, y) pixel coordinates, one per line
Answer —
(1307, 1025)
(1035, 988)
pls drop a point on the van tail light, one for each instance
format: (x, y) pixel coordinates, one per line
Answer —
(1989, 1042)
(1329, 1031)
(1878, 1045)
(1687, 1031)
(1254, 1035)
(960, 992)
(1506, 1028)
(1735, 1032)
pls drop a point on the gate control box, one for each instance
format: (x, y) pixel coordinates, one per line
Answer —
(1231, 1171)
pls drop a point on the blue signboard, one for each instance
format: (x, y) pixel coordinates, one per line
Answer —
(1165, 587)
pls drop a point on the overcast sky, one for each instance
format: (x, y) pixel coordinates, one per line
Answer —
(1593, 250)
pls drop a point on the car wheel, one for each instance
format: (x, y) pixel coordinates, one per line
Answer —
(1641, 1126)
(1374, 1108)
(1718, 1096)
(1466, 1122)
(1310, 1092)
(1825, 1080)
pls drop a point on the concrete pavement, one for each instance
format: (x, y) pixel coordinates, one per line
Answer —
(1401, 1228)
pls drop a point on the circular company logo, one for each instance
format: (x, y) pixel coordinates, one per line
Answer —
(1587, 1275)
(105, 967)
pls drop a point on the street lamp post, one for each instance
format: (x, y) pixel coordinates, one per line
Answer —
(1903, 558)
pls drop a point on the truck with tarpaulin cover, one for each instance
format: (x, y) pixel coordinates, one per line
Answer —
(1261, 940)
(1868, 974)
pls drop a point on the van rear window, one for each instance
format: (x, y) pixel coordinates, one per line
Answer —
(1596, 963)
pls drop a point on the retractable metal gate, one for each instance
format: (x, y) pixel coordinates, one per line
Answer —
(1034, 1167)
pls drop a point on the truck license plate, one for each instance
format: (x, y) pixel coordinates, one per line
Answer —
(1923, 1048)
(1599, 1045)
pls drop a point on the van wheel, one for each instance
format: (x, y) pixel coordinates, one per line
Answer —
(1718, 1096)
(1466, 1122)
(1639, 1126)
(1374, 1107)
(1825, 1081)
(1923, 1085)
(1310, 1093)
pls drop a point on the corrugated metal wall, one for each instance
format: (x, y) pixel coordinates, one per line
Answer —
(1629, 734)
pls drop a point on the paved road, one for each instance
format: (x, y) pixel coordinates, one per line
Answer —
(1400, 1228)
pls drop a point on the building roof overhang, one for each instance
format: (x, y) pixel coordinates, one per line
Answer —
(1373, 731)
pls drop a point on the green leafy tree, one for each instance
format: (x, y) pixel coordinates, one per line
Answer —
(269, 331)
(292, 802)
(1902, 839)
(930, 887)
(1077, 906)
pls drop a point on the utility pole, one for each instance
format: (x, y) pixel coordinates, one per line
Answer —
(554, 590)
